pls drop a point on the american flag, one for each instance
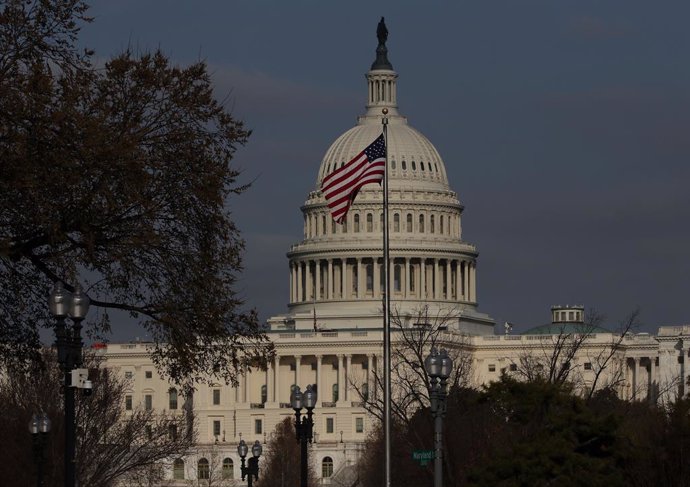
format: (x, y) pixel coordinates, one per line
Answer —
(341, 186)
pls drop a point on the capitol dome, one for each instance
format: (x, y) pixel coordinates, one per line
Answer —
(336, 271)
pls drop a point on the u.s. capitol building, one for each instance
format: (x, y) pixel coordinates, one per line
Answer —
(331, 334)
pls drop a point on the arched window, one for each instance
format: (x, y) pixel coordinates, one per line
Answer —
(381, 222)
(370, 222)
(335, 392)
(172, 398)
(441, 225)
(421, 223)
(356, 223)
(344, 225)
(393, 164)
(203, 471)
(432, 227)
(370, 277)
(404, 165)
(421, 166)
(365, 391)
(396, 222)
(414, 166)
(323, 224)
(264, 394)
(178, 469)
(333, 226)
(228, 471)
(326, 467)
(409, 223)
(411, 279)
(397, 270)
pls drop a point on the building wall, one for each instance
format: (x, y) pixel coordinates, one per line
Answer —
(650, 368)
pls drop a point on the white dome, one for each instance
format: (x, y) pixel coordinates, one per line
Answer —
(411, 157)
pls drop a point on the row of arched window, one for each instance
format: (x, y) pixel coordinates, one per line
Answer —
(203, 469)
(423, 167)
(441, 224)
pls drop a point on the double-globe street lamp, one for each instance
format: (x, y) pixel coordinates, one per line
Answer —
(304, 425)
(39, 427)
(251, 468)
(439, 367)
(64, 304)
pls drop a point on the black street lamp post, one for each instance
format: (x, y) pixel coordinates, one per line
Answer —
(75, 305)
(251, 468)
(304, 426)
(439, 367)
(39, 427)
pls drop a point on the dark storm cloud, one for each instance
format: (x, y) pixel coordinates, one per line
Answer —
(563, 126)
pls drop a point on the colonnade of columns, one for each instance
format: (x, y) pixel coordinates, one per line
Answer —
(337, 379)
(356, 278)
(641, 377)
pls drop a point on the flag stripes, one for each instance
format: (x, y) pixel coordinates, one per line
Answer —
(340, 187)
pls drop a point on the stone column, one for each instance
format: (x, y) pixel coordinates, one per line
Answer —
(343, 275)
(348, 376)
(330, 279)
(458, 280)
(308, 284)
(377, 279)
(317, 289)
(370, 375)
(276, 368)
(319, 390)
(437, 281)
(422, 278)
(449, 279)
(473, 281)
(406, 289)
(360, 290)
(298, 364)
(650, 386)
(341, 378)
(270, 383)
(466, 278)
(636, 377)
(300, 289)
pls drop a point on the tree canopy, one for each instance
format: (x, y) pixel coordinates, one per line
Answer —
(118, 177)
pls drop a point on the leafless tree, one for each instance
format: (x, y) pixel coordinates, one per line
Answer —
(556, 358)
(112, 443)
(213, 476)
(413, 336)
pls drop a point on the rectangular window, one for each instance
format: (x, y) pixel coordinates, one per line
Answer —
(359, 425)
(588, 365)
(216, 428)
(128, 402)
(258, 426)
(128, 375)
(216, 397)
(492, 367)
(148, 402)
(513, 367)
(329, 425)
(149, 374)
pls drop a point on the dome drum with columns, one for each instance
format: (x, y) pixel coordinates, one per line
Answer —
(336, 273)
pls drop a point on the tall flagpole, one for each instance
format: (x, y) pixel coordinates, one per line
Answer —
(386, 314)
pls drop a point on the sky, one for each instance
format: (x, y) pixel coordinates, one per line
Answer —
(564, 127)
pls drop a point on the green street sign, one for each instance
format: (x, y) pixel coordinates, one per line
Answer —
(423, 456)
